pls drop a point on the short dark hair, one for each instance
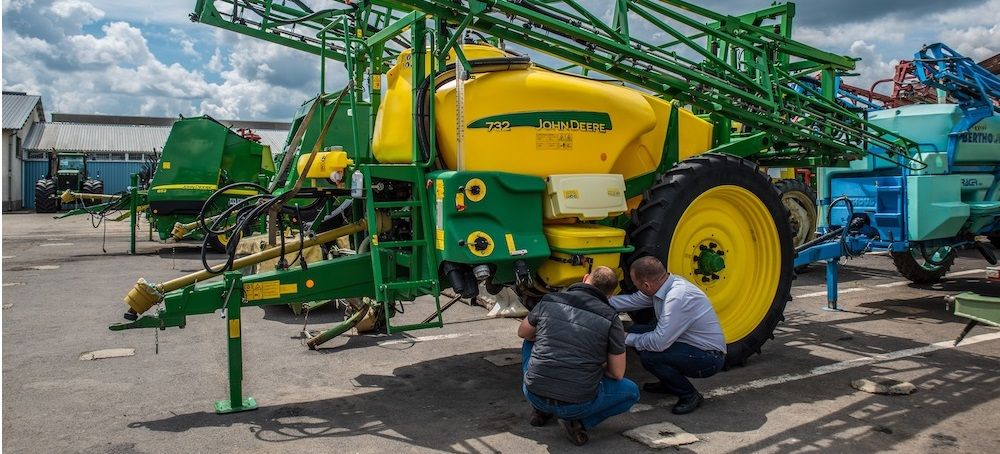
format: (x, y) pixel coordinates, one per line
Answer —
(604, 279)
(647, 269)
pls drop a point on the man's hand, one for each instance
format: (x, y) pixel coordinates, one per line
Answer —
(615, 367)
(525, 330)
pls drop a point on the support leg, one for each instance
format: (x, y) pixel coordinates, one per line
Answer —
(234, 299)
(965, 331)
(832, 269)
(133, 205)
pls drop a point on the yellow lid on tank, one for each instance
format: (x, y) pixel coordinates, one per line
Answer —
(583, 236)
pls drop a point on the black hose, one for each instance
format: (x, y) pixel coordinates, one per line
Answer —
(423, 101)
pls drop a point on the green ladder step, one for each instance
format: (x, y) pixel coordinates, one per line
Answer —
(397, 204)
(402, 243)
(399, 172)
(401, 285)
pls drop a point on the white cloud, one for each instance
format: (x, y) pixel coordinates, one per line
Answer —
(978, 43)
(215, 63)
(115, 70)
(886, 30)
(77, 9)
(873, 65)
(121, 43)
(185, 41)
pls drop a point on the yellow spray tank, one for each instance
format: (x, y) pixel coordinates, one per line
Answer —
(537, 122)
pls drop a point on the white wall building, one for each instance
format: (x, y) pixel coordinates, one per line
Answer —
(21, 112)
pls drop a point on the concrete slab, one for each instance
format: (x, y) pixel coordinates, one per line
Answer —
(107, 353)
(661, 435)
(884, 386)
(506, 359)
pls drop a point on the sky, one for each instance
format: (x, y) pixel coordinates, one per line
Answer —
(127, 57)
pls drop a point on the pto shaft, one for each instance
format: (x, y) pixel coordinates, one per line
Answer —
(145, 295)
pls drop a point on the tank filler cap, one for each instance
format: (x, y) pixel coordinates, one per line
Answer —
(475, 190)
(480, 244)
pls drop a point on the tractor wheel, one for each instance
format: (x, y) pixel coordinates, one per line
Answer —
(218, 242)
(92, 187)
(718, 222)
(924, 267)
(800, 201)
(45, 196)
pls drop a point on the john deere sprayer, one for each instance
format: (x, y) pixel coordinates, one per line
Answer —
(488, 170)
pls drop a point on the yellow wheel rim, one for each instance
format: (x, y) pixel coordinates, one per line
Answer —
(223, 239)
(731, 222)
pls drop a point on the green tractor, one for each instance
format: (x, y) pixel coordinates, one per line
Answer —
(67, 171)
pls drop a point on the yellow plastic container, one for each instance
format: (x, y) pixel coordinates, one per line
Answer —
(560, 270)
(537, 122)
(325, 163)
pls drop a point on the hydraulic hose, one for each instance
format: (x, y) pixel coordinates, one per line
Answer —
(251, 209)
(423, 93)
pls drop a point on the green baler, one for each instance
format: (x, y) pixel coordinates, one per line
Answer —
(200, 156)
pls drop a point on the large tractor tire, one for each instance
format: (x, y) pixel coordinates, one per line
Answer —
(924, 266)
(45, 196)
(217, 243)
(718, 222)
(800, 201)
(92, 187)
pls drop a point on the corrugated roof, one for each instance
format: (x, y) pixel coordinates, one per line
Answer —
(274, 138)
(17, 108)
(58, 117)
(115, 138)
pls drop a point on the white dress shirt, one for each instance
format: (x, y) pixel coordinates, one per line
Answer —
(683, 314)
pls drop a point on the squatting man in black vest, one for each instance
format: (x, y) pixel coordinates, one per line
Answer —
(573, 356)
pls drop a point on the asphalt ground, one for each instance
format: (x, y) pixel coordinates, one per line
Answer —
(433, 390)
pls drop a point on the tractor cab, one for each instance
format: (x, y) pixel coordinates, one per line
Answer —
(70, 170)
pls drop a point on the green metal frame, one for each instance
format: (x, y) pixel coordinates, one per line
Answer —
(745, 74)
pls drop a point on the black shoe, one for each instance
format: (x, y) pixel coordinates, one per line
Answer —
(685, 406)
(575, 431)
(539, 418)
(656, 388)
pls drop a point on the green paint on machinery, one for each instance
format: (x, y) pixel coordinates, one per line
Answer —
(341, 135)
(482, 222)
(200, 156)
(436, 201)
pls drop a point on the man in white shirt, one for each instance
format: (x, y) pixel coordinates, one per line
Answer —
(687, 339)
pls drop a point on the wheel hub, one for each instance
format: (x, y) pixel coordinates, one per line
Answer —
(710, 262)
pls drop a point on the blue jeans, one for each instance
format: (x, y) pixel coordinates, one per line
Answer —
(613, 397)
(679, 361)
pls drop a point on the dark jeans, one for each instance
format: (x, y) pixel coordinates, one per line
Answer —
(679, 361)
(613, 397)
